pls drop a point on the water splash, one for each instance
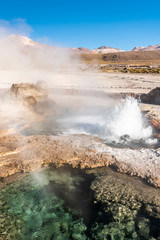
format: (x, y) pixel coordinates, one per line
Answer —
(124, 123)
(126, 119)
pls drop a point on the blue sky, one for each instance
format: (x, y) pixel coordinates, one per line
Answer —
(121, 24)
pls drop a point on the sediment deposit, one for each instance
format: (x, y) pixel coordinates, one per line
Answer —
(20, 153)
(25, 154)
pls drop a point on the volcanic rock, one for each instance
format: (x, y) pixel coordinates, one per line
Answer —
(25, 154)
(124, 198)
(30, 153)
(24, 90)
(30, 101)
(34, 96)
(153, 97)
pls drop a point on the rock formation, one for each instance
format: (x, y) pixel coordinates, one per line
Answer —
(25, 154)
(123, 199)
(24, 90)
(153, 97)
(34, 96)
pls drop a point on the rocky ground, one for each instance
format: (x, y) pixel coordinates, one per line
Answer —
(20, 153)
(25, 154)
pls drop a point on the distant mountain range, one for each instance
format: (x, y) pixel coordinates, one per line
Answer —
(21, 40)
(149, 48)
(25, 41)
(105, 49)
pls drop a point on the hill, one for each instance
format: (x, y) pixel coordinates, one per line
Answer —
(135, 57)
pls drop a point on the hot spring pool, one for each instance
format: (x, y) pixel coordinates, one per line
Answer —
(121, 126)
(69, 203)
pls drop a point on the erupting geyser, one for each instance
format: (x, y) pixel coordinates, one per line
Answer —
(126, 120)
(122, 123)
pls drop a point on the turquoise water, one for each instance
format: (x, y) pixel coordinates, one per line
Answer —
(46, 205)
(59, 204)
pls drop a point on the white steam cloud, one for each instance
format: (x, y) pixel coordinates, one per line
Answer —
(24, 60)
(127, 119)
(16, 26)
(121, 123)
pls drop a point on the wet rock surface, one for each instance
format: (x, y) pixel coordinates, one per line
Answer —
(43, 206)
(30, 153)
(25, 154)
(132, 207)
(22, 154)
(67, 203)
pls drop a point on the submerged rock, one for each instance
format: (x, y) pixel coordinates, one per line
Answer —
(33, 208)
(132, 207)
(69, 203)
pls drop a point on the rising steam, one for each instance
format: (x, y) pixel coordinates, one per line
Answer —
(24, 60)
(121, 123)
(15, 26)
(127, 119)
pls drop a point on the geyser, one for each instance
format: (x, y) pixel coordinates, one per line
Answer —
(126, 119)
(122, 123)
